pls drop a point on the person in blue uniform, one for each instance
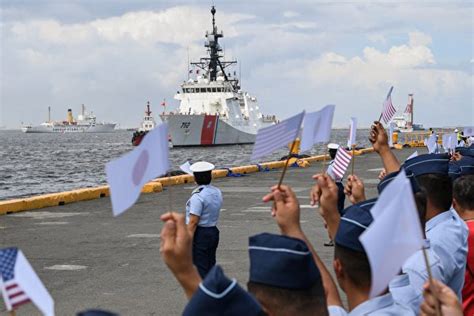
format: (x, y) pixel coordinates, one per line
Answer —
(202, 214)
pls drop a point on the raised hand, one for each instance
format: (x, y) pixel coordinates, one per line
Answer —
(315, 192)
(176, 251)
(354, 189)
(382, 174)
(378, 137)
(446, 298)
(286, 210)
(328, 203)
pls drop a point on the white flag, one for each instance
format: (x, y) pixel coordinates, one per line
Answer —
(20, 284)
(432, 144)
(352, 132)
(468, 131)
(449, 141)
(276, 136)
(394, 235)
(127, 174)
(317, 127)
(186, 167)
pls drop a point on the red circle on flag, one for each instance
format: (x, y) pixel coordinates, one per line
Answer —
(140, 167)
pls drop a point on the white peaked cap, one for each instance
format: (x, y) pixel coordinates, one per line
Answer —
(456, 130)
(202, 166)
(333, 146)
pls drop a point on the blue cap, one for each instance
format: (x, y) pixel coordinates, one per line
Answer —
(217, 295)
(389, 177)
(462, 167)
(427, 164)
(465, 151)
(355, 221)
(281, 261)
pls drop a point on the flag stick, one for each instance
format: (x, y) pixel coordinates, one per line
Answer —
(430, 278)
(353, 160)
(170, 197)
(380, 117)
(286, 164)
(323, 169)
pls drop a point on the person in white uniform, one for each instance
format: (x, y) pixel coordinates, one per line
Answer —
(202, 215)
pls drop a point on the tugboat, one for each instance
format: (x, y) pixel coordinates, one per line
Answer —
(213, 109)
(148, 124)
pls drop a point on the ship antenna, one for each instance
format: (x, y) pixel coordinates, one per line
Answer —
(213, 12)
(148, 112)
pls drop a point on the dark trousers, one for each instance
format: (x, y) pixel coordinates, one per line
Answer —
(205, 244)
(340, 198)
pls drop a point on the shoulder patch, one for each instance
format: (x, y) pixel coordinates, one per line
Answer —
(197, 190)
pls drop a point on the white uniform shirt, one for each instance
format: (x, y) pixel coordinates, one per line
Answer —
(380, 305)
(448, 234)
(205, 202)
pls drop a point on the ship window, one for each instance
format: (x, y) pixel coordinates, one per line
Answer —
(219, 89)
(214, 90)
(203, 90)
(208, 89)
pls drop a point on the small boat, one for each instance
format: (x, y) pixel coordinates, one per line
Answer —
(404, 122)
(147, 125)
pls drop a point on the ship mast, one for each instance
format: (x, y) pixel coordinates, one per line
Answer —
(212, 64)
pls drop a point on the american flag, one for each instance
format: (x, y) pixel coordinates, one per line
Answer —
(341, 162)
(273, 137)
(388, 110)
(13, 294)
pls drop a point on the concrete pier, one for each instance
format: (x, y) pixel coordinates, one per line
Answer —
(89, 259)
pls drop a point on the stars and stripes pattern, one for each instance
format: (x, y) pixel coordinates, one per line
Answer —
(388, 110)
(341, 162)
(273, 137)
(13, 294)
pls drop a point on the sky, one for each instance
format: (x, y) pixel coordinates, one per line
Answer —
(115, 55)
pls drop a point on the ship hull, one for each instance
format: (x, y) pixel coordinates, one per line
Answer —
(205, 130)
(101, 128)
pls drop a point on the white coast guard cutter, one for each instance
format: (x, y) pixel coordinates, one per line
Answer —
(213, 110)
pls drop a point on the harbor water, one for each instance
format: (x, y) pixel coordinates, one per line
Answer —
(33, 164)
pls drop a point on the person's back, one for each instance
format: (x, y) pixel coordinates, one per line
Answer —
(463, 202)
(445, 230)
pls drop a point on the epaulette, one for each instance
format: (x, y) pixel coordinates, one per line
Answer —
(197, 190)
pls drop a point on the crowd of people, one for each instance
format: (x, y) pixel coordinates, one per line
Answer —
(286, 274)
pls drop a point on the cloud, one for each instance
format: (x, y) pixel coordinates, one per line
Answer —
(290, 14)
(343, 53)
